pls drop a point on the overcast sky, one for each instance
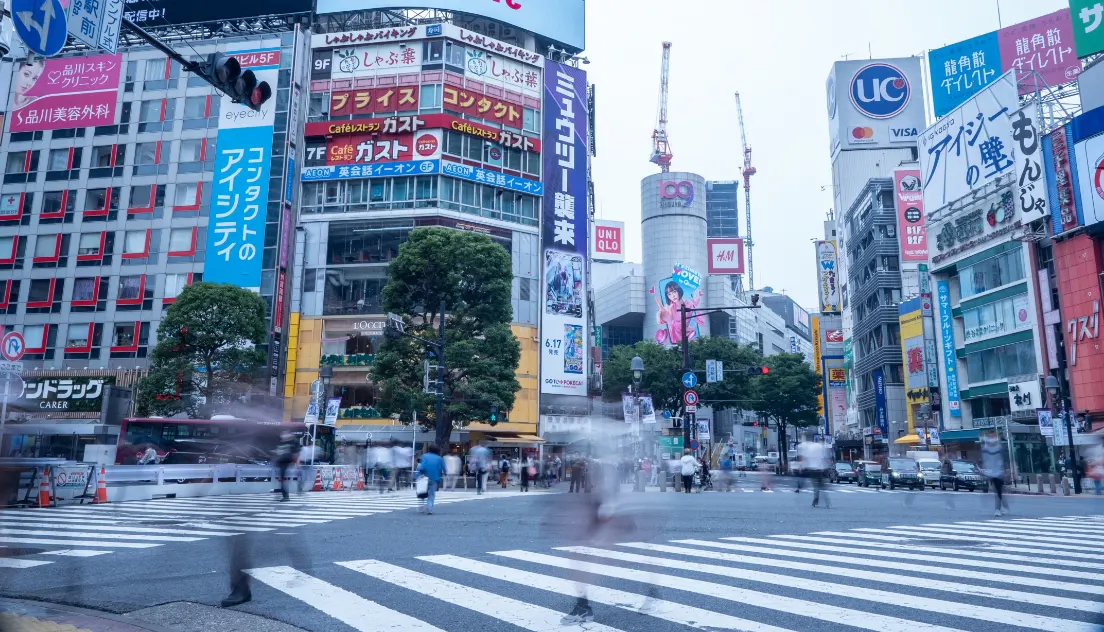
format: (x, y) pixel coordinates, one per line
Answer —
(777, 54)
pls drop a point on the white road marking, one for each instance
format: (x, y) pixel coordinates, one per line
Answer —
(76, 553)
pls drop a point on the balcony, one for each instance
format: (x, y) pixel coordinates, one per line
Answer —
(351, 360)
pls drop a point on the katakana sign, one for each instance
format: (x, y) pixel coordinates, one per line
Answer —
(74, 394)
(368, 101)
(352, 172)
(486, 176)
(96, 22)
(961, 70)
(1088, 18)
(65, 93)
(373, 149)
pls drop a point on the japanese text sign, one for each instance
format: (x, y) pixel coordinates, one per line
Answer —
(726, 255)
(910, 215)
(482, 106)
(960, 70)
(950, 362)
(487, 176)
(376, 59)
(971, 146)
(384, 148)
(96, 22)
(1058, 157)
(1028, 151)
(510, 74)
(417, 122)
(63, 93)
(367, 101)
(1041, 51)
(1087, 17)
(77, 394)
(353, 172)
(827, 277)
(1090, 178)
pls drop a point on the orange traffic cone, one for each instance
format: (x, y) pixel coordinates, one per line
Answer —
(317, 481)
(336, 480)
(360, 480)
(101, 487)
(44, 488)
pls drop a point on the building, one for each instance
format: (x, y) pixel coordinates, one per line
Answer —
(722, 214)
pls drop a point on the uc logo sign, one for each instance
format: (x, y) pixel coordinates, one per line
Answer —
(671, 190)
(880, 91)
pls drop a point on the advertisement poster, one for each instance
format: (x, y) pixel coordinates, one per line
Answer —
(837, 405)
(628, 407)
(1046, 422)
(1058, 154)
(647, 409)
(726, 255)
(910, 215)
(333, 407)
(1031, 191)
(950, 364)
(828, 284)
(563, 367)
(239, 190)
(962, 69)
(1087, 18)
(670, 294)
(881, 410)
(363, 150)
(383, 59)
(64, 93)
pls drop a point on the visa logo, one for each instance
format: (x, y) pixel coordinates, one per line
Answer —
(905, 132)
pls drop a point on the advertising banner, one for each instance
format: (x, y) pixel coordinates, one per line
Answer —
(910, 215)
(628, 407)
(881, 409)
(161, 13)
(563, 367)
(1058, 157)
(507, 73)
(827, 283)
(1031, 191)
(1089, 178)
(559, 20)
(486, 176)
(837, 406)
(1087, 17)
(876, 104)
(817, 353)
(377, 59)
(364, 150)
(950, 362)
(370, 100)
(683, 287)
(63, 93)
(75, 394)
(1046, 422)
(962, 69)
(380, 170)
(726, 255)
(647, 409)
(239, 190)
(609, 240)
(1040, 51)
(416, 123)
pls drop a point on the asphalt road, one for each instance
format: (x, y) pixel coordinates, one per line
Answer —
(929, 560)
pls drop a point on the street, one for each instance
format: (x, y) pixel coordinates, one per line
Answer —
(750, 560)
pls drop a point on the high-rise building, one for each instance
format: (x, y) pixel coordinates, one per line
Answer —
(721, 209)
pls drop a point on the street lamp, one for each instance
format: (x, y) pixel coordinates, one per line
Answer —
(637, 367)
(1054, 387)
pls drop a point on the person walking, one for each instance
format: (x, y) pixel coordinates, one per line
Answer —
(525, 473)
(432, 466)
(577, 467)
(726, 472)
(480, 460)
(452, 470)
(992, 466)
(688, 465)
(287, 453)
(504, 472)
(816, 466)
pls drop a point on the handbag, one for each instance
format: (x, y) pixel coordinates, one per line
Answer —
(421, 487)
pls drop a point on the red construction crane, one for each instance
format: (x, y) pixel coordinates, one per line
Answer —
(748, 172)
(661, 149)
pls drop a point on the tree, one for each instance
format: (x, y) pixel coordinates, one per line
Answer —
(206, 355)
(471, 276)
(736, 391)
(662, 368)
(788, 395)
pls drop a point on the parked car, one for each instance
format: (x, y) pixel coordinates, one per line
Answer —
(869, 473)
(903, 472)
(929, 471)
(843, 472)
(962, 475)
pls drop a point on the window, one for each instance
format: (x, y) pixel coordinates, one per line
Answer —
(89, 244)
(34, 336)
(58, 160)
(41, 292)
(430, 98)
(475, 148)
(533, 165)
(160, 74)
(98, 202)
(310, 276)
(175, 284)
(182, 241)
(136, 244)
(18, 162)
(145, 198)
(1001, 362)
(187, 194)
(101, 156)
(124, 336)
(191, 150)
(454, 54)
(78, 336)
(57, 204)
(434, 51)
(530, 120)
(146, 153)
(130, 288)
(991, 273)
(7, 248)
(156, 115)
(196, 114)
(84, 289)
(46, 246)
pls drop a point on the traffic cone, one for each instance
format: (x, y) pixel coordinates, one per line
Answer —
(317, 481)
(101, 487)
(44, 488)
(360, 480)
(336, 480)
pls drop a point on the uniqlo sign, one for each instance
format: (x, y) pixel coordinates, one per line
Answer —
(609, 242)
(726, 255)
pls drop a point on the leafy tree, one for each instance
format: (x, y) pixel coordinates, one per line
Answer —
(737, 390)
(788, 395)
(206, 355)
(662, 370)
(471, 276)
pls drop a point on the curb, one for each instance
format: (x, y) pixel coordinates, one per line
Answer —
(76, 618)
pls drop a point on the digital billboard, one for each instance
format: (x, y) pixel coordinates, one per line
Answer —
(160, 13)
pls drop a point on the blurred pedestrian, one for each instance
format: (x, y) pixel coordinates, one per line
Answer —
(381, 466)
(432, 466)
(578, 467)
(816, 467)
(765, 471)
(480, 460)
(287, 454)
(992, 466)
(452, 470)
(725, 465)
(1094, 466)
(687, 467)
(525, 472)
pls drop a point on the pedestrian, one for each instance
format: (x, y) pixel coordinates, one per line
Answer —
(816, 466)
(287, 453)
(646, 467)
(765, 470)
(688, 466)
(452, 470)
(432, 466)
(726, 472)
(1094, 466)
(403, 457)
(557, 469)
(480, 460)
(992, 466)
(525, 472)
(504, 472)
(578, 466)
(705, 481)
(381, 466)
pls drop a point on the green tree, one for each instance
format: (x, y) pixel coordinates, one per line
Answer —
(788, 395)
(662, 370)
(206, 355)
(471, 276)
(737, 390)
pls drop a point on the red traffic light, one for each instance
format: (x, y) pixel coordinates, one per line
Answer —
(758, 370)
(765, 370)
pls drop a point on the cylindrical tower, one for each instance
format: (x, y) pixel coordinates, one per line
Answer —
(673, 228)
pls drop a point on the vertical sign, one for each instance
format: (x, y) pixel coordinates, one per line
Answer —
(827, 281)
(910, 215)
(1088, 18)
(563, 368)
(950, 368)
(96, 22)
(815, 320)
(239, 192)
(881, 410)
(1060, 179)
(1030, 184)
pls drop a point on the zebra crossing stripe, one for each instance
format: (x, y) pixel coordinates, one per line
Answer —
(790, 605)
(93, 534)
(1002, 552)
(61, 528)
(75, 553)
(971, 611)
(982, 534)
(72, 543)
(903, 580)
(995, 531)
(658, 608)
(348, 608)
(952, 535)
(9, 562)
(1042, 529)
(512, 611)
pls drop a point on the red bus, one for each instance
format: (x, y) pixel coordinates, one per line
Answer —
(221, 439)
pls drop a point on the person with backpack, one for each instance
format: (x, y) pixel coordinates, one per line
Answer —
(504, 472)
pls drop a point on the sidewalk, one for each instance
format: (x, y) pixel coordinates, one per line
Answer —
(29, 616)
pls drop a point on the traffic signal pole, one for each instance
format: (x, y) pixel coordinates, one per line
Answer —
(444, 431)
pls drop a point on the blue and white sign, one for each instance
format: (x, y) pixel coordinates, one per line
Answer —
(40, 24)
(465, 172)
(349, 172)
(881, 409)
(961, 70)
(96, 22)
(950, 369)
(689, 380)
(880, 91)
(289, 185)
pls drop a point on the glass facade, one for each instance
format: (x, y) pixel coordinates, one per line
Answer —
(1001, 362)
(991, 273)
(721, 209)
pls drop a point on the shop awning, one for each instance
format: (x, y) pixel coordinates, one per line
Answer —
(518, 440)
(909, 439)
(968, 435)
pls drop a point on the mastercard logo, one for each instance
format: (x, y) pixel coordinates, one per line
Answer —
(863, 133)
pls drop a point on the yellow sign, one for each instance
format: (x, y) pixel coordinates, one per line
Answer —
(815, 326)
(912, 354)
(837, 375)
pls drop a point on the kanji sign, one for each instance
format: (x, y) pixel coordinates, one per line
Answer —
(486, 176)
(1087, 17)
(910, 215)
(1060, 178)
(960, 70)
(375, 59)
(1040, 51)
(352, 172)
(96, 22)
(416, 122)
(65, 93)
(1030, 184)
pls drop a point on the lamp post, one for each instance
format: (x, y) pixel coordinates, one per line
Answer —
(636, 365)
(1054, 388)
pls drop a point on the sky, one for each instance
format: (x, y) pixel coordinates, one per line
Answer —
(777, 54)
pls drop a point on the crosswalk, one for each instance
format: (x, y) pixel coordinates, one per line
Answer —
(977, 576)
(36, 537)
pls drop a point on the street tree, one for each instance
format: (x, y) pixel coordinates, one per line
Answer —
(788, 396)
(469, 276)
(662, 368)
(736, 391)
(206, 359)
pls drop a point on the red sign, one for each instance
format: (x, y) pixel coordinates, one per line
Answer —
(254, 60)
(427, 145)
(726, 256)
(607, 239)
(1063, 179)
(278, 313)
(1041, 51)
(910, 215)
(368, 101)
(414, 123)
(833, 336)
(482, 106)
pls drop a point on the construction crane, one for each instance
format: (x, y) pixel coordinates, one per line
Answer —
(661, 149)
(748, 172)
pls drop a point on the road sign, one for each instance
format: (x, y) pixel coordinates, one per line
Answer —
(710, 371)
(11, 367)
(690, 408)
(316, 387)
(693, 444)
(690, 398)
(40, 24)
(12, 346)
(96, 22)
(689, 380)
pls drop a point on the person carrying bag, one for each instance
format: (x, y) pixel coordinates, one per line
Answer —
(431, 469)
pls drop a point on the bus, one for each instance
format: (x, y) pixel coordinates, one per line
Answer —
(221, 439)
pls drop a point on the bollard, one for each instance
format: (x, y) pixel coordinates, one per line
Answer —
(663, 481)
(1065, 486)
(1050, 479)
(1040, 476)
(640, 481)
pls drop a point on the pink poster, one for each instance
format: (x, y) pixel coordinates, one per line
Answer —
(1041, 51)
(65, 93)
(910, 215)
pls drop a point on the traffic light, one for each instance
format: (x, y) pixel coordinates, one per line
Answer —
(242, 87)
(758, 370)
(494, 415)
(755, 300)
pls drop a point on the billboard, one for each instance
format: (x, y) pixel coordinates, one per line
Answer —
(876, 104)
(372, 149)
(387, 58)
(881, 408)
(950, 364)
(1087, 17)
(961, 70)
(682, 288)
(63, 93)
(911, 321)
(159, 13)
(827, 283)
(1030, 189)
(910, 215)
(239, 189)
(1089, 179)
(726, 255)
(564, 357)
(559, 20)
(609, 240)
(1058, 158)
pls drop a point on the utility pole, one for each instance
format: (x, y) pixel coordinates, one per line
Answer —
(444, 430)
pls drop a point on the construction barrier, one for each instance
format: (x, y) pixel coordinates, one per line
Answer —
(146, 482)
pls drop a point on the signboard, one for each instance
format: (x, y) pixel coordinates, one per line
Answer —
(647, 409)
(827, 282)
(609, 240)
(355, 172)
(313, 406)
(376, 148)
(962, 69)
(689, 380)
(1087, 17)
(876, 104)
(564, 357)
(384, 58)
(75, 394)
(833, 336)
(726, 255)
(881, 410)
(239, 191)
(12, 346)
(559, 20)
(628, 407)
(414, 123)
(1089, 179)
(1025, 397)
(710, 371)
(333, 408)
(1046, 422)
(65, 93)
(40, 25)
(1058, 152)
(950, 363)
(1031, 190)
(513, 183)
(910, 215)
(690, 398)
(96, 23)
(162, 13)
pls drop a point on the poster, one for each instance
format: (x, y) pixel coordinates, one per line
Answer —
(1046, 422)
(950, 363)
(333, 407)
(671, 293)
(62, 93)
(628, 407)
(827, 281)
(910, 215)
(647, 409)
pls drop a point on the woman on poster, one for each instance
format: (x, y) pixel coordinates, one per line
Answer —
(670, 315)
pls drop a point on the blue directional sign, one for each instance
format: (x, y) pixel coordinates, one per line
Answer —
(689, 380)
(40, 24)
